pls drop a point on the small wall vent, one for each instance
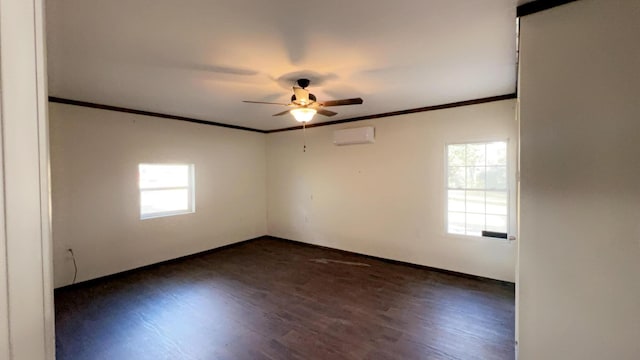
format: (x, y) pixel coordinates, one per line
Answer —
(362, 135)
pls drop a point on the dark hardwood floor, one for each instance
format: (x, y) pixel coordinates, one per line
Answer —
(274, 299)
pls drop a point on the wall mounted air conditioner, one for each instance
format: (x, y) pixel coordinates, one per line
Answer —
(363, 135)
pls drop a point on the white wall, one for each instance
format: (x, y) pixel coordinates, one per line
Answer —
(579, 261)
(386, 199)
(95, 156)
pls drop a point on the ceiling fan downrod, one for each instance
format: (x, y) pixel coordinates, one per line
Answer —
(303, 83)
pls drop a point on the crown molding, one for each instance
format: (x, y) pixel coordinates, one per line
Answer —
(539, 5)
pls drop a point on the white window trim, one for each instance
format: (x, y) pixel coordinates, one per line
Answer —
(511, 184)
(191, 189)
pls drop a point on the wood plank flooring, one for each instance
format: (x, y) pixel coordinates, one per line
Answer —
(275, 299)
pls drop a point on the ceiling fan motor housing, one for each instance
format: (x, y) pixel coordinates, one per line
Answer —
(312, 98)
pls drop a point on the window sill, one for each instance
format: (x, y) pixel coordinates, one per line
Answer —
(509, 238)
(165, 214)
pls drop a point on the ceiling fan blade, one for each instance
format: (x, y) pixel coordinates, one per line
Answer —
(264, 102)
(326, 112)
(302, 95)
(354, 101)
(281, 113)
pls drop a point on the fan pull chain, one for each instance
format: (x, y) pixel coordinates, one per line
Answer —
(304, 137)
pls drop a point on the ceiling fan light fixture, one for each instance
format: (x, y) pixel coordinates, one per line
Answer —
(303, 115)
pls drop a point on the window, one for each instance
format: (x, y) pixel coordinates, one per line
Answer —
(165, 189)
(477, 188)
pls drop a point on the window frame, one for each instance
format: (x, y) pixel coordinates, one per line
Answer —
(191, 203)
(510, 184)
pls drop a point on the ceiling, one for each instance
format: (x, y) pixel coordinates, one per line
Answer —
(200, 59)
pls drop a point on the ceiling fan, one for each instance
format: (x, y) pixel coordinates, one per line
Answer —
(304, 105)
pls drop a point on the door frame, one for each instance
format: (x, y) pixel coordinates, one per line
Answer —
(26, 266)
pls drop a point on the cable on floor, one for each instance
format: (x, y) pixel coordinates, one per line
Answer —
(75, 266)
